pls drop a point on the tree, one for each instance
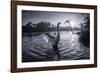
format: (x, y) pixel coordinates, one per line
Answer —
(85, 31)
(43, 26)
(29, 24)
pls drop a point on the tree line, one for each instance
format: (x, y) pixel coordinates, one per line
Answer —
(44, 27)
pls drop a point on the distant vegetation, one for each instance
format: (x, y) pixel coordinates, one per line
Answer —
(85, 31)
(44, 27)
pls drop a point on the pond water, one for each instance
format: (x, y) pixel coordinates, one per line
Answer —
(38, 47)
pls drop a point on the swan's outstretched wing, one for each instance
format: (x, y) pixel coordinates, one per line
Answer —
(50, 36)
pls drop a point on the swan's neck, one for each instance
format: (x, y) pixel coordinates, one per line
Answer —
(58, 35)
(58, 30)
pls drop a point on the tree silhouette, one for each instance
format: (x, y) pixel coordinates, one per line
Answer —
(29, 24)
(43, 26)
(85, 31)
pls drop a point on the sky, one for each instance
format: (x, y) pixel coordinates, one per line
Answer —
(52, 17)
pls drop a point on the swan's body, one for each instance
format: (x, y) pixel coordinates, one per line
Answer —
(55, 44)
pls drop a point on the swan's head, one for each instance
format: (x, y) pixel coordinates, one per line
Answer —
(67, 21)
(59, 23)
